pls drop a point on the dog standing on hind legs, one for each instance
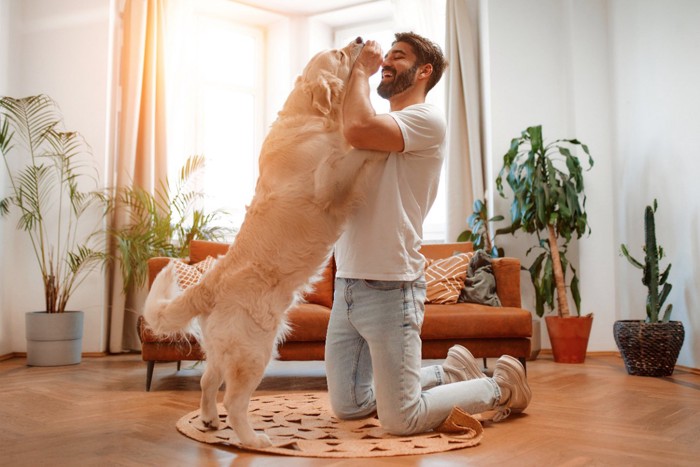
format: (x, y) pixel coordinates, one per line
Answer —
(309, 183)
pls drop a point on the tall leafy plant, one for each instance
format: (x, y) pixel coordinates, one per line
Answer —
(549, 201)
(656, 281)
(47, 170)
(163, 223)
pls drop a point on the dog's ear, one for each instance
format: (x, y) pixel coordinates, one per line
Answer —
(324, 91)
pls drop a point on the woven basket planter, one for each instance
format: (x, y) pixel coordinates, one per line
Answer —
(649, 349)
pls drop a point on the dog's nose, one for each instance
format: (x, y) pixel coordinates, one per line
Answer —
(358, 40)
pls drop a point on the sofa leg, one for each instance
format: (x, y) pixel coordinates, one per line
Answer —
(149, 374)
(523, 360)
(178, 365)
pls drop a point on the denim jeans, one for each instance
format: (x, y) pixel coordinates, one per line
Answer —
(373, 360)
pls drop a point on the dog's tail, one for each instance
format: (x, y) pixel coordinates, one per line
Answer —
(168, 310)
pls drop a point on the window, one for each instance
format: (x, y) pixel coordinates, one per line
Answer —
(231, 78)
(221, 109)
(381, 32)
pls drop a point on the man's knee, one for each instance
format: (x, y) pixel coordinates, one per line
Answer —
(397, 427)
(346, 410)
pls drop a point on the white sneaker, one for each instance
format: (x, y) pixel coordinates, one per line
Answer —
(460, 365)
(510, 376)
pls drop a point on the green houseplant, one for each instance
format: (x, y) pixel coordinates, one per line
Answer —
(47, 171)
(650, 347)
(163, 223)
(549, 201)
(479, 233)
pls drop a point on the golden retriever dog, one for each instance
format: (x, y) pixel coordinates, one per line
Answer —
(309, 183)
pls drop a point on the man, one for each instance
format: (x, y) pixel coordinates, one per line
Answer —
(373, 346)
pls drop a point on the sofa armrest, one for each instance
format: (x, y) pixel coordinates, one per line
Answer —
(154, 267)
(507, 274)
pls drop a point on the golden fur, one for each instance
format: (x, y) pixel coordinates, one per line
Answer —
(309, 183)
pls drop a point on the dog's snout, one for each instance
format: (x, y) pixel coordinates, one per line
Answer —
(358, 40)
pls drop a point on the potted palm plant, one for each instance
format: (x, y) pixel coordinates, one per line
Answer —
(549, 201)
(48, 169)
(163, 223)
(650, 347)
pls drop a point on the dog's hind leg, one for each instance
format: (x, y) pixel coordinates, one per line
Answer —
(241, 380)
(210, 383)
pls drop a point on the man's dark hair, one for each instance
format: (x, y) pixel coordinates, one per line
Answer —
(426, 51)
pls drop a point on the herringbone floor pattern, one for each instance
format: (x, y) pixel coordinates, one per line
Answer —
(98, 414)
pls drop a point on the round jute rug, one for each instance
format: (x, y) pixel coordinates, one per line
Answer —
(301, 424)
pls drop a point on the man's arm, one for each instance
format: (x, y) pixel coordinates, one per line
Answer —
(362, 127)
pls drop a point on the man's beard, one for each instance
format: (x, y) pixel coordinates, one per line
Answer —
(401, 82)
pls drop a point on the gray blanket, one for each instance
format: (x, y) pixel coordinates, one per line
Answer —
(480, 285)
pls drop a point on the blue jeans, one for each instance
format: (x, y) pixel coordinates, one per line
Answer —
(373, 360)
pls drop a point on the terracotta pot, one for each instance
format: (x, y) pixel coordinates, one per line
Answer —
(569, 337)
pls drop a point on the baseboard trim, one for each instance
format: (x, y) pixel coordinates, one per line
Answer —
(691, 370)
(7, 356)
(687, 369)
(24, 355)
(602, 353)
(613, 353)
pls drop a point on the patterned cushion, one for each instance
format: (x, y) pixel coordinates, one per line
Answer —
(188, 275)
(445, 278)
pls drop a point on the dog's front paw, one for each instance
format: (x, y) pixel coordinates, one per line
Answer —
(260, 441)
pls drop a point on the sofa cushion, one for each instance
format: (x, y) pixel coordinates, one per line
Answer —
(444, 250)
(473, 321)
(200, 249)
(308, 322)
(445, 277)
(322, 293)
(188, 275)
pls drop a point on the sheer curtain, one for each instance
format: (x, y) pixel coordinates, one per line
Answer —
(427, 18)
(138, 155)
(457, 21)
(465, 161)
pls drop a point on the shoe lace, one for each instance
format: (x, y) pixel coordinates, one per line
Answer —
(495, 415)
(501, 414)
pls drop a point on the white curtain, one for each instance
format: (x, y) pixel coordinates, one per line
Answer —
(457, 21)
(139, 148)
(465, 157)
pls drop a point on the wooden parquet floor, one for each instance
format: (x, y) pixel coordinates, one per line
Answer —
(98, 413)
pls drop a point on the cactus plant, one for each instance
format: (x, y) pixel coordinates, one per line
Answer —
(656, 283)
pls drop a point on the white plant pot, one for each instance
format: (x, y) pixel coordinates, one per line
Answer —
(54, 339)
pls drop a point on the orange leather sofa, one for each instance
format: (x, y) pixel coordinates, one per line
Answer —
(486, 331)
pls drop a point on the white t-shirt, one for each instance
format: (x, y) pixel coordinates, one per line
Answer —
(382, 238)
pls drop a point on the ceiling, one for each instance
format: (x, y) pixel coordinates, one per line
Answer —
(304, 7)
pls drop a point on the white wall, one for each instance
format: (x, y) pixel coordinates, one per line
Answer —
(60, 49)
(5, 27)
(620, 75)
(656, 63)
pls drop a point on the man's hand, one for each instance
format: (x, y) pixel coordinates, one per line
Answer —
(370, 58)
(362, 127)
